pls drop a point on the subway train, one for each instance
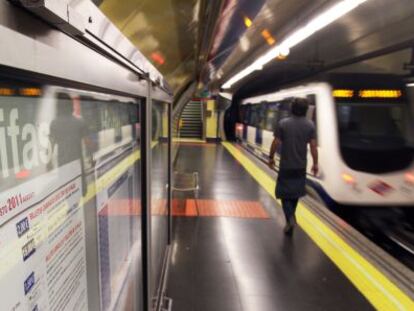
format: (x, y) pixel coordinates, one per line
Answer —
(364, 135)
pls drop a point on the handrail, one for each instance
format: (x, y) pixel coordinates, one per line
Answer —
(176, 115)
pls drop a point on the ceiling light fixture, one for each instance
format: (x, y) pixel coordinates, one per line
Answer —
(248, 22)
(320, 21)
(268, 37)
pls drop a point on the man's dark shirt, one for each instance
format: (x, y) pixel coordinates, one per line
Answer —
(295, 133)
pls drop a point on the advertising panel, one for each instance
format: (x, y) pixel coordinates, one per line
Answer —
(42, 231)
(68, 158)
(42, 246)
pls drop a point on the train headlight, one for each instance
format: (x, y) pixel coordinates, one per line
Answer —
(349, 179)
(239, 127)
(409, 178)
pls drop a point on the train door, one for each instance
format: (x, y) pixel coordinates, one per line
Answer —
(260, 122)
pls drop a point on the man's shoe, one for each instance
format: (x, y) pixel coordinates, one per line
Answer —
(288, 229)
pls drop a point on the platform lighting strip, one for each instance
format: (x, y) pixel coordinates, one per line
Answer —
(248, 22)
(282, 50)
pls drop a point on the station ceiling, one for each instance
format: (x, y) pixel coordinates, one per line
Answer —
(165, 31)
(211, 40)
(376, 37)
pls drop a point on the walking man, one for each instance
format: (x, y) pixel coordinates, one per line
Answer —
(293, 134)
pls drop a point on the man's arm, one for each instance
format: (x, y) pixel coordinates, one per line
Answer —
(273, 148)
(314, 153)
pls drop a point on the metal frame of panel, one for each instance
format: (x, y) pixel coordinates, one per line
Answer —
(170, 161)
(96, 24)
(46, 51)
(146, 199)
(30, 45)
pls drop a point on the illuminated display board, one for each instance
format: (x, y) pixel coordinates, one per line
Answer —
(367, 94)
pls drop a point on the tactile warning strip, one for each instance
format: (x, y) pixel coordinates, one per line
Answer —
(121, 207)
(181, 208)
(159, 207)
(223, 208)
(188, 208)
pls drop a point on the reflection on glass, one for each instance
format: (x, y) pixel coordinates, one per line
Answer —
(159, 191)
(67, 133)
(69, 199)
(116, 178)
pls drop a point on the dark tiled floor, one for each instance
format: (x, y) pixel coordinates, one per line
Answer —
(225, 264)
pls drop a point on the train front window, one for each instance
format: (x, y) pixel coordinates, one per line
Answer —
(367, 124)
(370, 134)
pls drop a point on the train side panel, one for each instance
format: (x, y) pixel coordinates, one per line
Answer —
(339, 182)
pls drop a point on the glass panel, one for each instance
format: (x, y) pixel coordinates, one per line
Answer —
(272, 113)
(159, 191)
(69, 199)
(381, 123)
(176, 126)
(255, 115)
(372, 133)
(117, 177)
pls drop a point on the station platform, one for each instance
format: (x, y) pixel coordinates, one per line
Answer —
(230, 252)
(235, 260)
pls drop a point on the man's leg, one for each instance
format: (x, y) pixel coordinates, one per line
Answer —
(293, 206)
(288, 209)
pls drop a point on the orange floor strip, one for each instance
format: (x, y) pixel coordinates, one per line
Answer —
(121, 207)
(127, 207)
(228, 208)
(159, 207)
(183, 208)
(188, 208)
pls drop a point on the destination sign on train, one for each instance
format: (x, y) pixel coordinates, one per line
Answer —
(367, 93)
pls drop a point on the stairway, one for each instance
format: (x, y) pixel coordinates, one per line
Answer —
(192, 122)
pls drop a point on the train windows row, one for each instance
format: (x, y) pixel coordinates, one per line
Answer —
(266, 115)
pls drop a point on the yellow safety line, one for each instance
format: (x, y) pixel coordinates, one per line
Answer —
(373, 284)
(189, 140)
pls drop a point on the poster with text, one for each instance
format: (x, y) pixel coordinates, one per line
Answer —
(42, 244)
